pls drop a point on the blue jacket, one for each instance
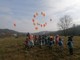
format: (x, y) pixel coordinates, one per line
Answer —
(70, 44)
(60, 43)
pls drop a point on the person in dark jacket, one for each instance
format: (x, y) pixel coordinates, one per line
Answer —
(70, 45)
(26, 43)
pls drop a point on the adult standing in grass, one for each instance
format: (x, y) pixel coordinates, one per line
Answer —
(70, 45)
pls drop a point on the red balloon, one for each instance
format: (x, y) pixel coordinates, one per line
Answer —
(33, 20)
(44, 25)
(14, 24)
(44, 14)
(36, 13)
(34, 16)
(36, 28)
(41, 25)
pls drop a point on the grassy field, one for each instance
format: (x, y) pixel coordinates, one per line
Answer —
(13, 49)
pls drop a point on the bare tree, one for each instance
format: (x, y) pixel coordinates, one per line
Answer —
(65, 23)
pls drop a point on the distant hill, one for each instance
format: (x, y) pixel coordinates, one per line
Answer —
(5, 31)
(71, 31)
(8, 32)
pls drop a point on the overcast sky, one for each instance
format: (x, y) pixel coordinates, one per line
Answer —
(21, 12)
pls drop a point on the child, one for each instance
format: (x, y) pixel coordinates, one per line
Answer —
(60, 43)
(31, 41)
(57, 39)
(70, 45)
(26, 43)
(51, 41)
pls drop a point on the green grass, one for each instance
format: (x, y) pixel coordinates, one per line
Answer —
(13, 49)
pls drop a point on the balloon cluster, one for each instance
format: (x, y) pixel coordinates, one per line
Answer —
(36, 22)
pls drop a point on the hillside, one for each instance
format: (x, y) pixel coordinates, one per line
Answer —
(71, 31)
(7, 31)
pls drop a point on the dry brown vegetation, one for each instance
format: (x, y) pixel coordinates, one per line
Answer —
(13, 49)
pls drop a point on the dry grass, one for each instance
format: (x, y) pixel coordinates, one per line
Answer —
(13, 49)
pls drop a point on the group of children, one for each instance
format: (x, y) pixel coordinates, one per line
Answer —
(44, 40)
